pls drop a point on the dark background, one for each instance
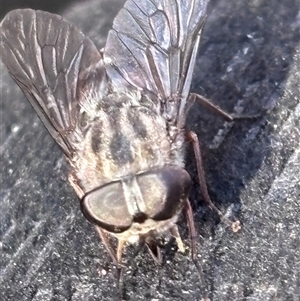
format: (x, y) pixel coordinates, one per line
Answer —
(53, 6)
(248, 61)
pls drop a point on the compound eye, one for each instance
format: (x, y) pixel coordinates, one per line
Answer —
(164, 191)
(106, 208)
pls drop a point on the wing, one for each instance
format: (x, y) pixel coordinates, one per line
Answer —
(53, 63)
(153, 47)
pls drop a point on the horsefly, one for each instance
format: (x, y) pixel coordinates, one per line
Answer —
(118, 114)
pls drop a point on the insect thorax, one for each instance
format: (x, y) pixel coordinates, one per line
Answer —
(123, 138)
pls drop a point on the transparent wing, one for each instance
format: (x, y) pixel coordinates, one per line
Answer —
(53, 63)
(153, 46)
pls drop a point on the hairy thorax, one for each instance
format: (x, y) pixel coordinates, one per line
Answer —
(123, 140)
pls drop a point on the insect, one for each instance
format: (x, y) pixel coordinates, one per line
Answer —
(118, 114)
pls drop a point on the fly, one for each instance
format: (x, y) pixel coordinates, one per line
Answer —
(118, 114)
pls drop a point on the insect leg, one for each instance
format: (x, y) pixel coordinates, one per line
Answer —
(214, 108)
(193, 237)
(201, 174)
(218, 111)
(236, 226)
(154, 251)
(120, 247)
(116, 258)
(175, 233)
(108, 246)
(73, 181)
